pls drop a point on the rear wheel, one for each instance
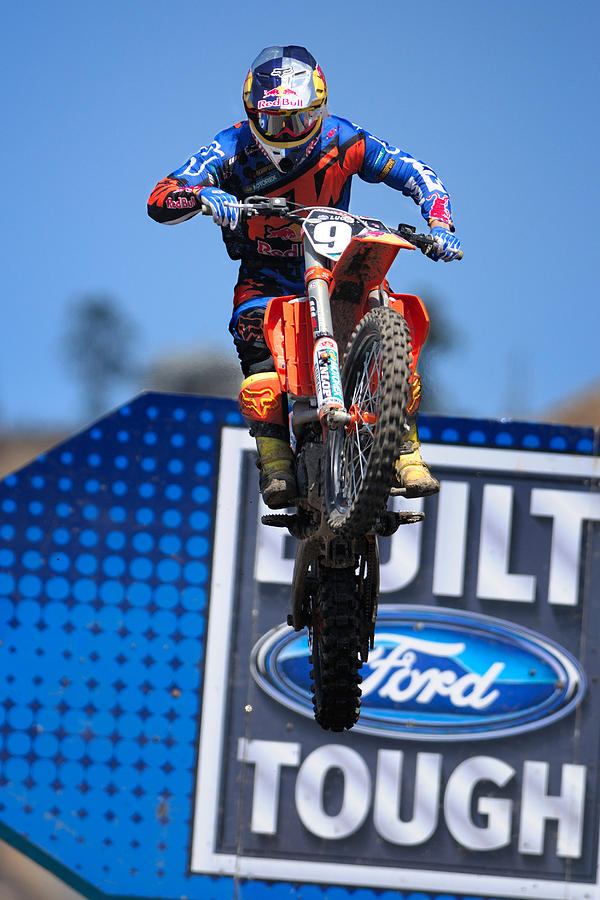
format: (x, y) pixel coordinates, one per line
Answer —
(359, 469)
(335, 645)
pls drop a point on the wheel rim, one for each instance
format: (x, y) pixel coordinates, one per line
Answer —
(353, 445)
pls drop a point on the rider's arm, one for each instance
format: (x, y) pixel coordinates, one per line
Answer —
(400, 170)
(438, 223)
(177, 197)
(173, 200)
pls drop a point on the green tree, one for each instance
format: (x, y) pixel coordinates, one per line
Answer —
(202, 371)
(98, 345)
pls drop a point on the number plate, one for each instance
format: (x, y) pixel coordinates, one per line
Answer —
(330, 232)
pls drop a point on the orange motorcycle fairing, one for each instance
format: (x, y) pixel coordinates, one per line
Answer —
(288, 333)
(417, 319)
(364, 263)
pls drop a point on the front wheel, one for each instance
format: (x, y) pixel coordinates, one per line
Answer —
(359, 460)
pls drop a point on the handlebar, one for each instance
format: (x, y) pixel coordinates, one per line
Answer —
(425, 242)
(256, 205)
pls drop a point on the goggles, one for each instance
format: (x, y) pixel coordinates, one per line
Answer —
(288, 126)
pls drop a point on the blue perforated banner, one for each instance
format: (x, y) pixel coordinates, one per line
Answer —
(131, 746)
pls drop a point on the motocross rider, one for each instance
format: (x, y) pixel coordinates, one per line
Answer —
(290, 146)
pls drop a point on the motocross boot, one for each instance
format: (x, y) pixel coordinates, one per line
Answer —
(413, 476)
(277, 478)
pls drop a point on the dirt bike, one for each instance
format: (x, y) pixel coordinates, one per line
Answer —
(347, 425)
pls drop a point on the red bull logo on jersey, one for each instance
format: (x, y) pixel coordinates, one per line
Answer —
(266, 249)
(285, 233)
(181, 203)
(259, 227)
(289, 234)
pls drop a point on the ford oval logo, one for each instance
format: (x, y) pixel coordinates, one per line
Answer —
(437, 674)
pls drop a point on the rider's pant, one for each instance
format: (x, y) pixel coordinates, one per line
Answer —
(255, 287)
(254, 290)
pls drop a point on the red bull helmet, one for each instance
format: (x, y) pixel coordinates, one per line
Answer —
(285, 96)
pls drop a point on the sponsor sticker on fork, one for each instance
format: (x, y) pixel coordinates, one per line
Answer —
(327, 372)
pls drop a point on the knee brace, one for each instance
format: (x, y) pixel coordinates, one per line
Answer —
(260, 399)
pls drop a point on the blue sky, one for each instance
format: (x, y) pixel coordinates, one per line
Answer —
(500, 98)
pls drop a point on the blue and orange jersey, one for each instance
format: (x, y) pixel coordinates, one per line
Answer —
(234, 162)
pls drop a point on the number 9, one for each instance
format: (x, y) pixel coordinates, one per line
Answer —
(335, 235)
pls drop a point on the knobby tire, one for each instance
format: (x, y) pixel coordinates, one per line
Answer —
(359, 464)
(335, 645)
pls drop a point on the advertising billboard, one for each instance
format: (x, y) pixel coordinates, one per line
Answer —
(472, 769)
(156, 715)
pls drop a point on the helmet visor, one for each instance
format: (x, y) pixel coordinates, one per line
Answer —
(288, 126)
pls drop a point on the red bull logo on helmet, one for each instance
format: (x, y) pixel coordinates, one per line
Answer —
(281, 97)
(294, 102)
(280, 92)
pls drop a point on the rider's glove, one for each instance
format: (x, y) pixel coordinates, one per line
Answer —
(224, 212)
(447, 245)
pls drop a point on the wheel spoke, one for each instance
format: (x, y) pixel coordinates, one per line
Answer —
(358, 444)
(360, 458)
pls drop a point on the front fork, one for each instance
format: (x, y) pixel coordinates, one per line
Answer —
(326, 357)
